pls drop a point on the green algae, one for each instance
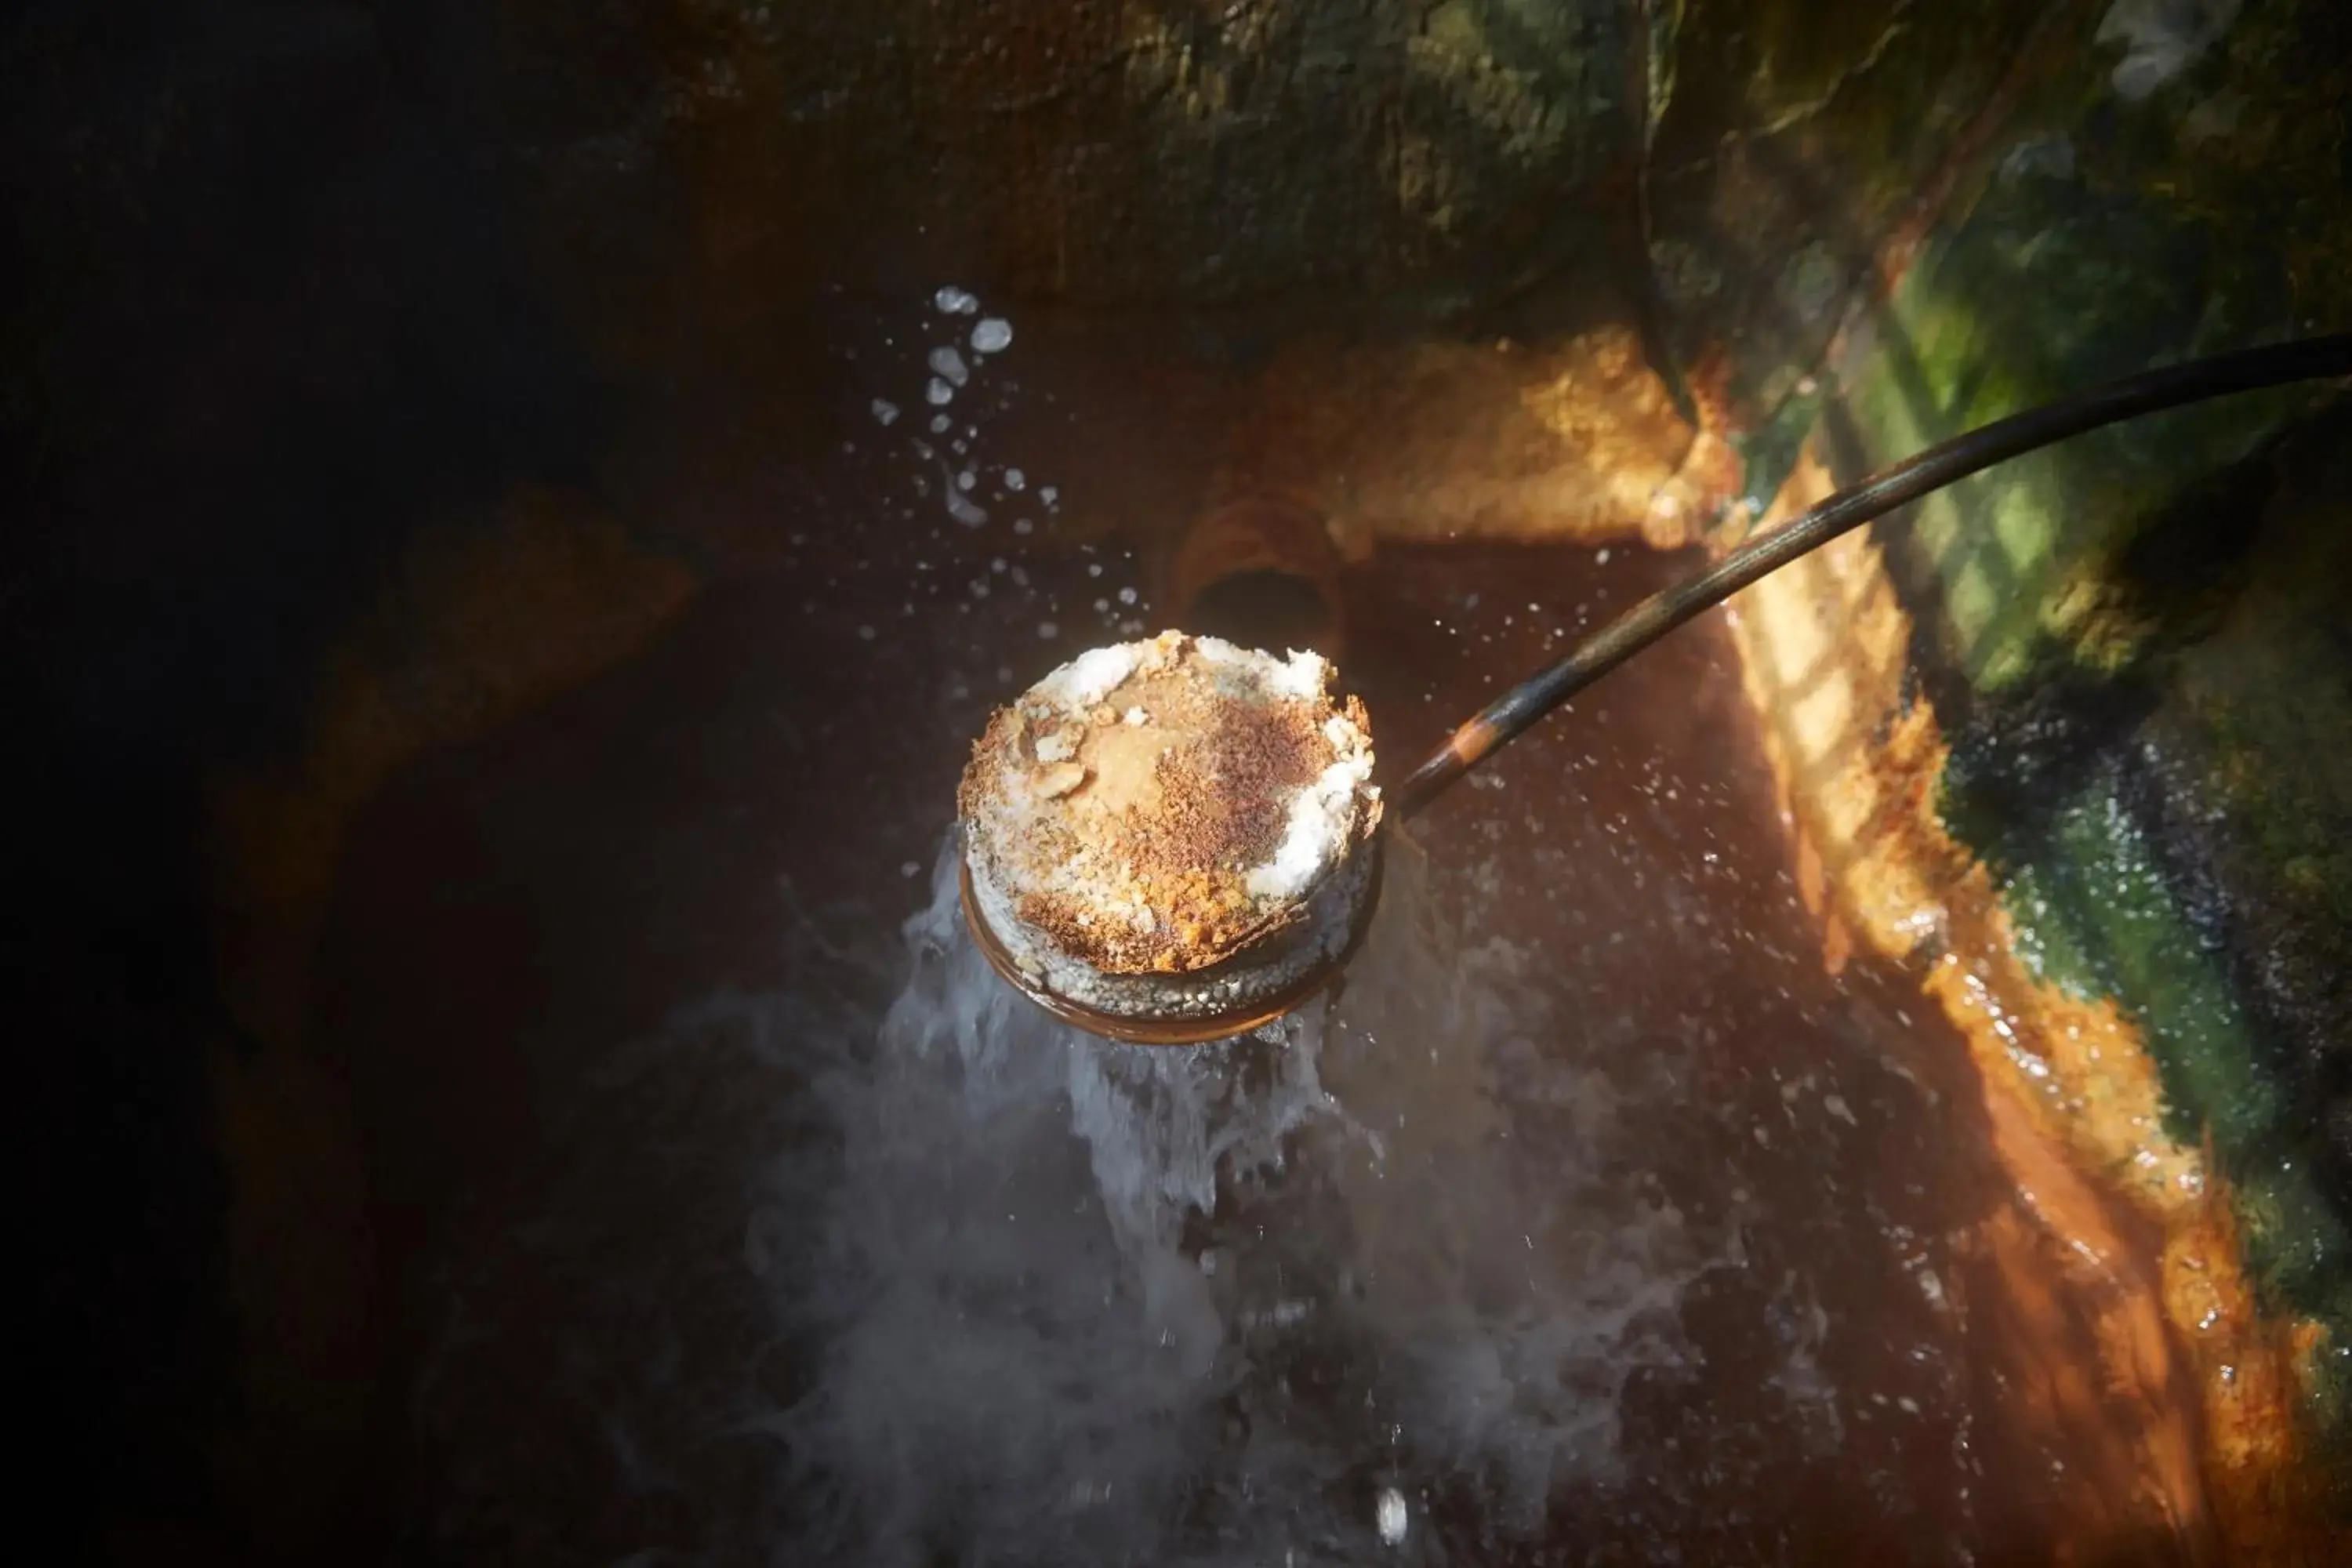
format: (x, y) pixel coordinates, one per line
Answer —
(2177, 836)
(2137, 638)
(2097, 914)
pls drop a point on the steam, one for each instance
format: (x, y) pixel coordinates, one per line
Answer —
(966, 1286)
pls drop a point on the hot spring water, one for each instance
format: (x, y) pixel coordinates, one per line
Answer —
(1590, 1213)
(1372, 1281)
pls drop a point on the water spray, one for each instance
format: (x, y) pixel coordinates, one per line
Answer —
(1178, 841)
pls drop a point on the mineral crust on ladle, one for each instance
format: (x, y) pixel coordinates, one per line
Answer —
(1178, 833)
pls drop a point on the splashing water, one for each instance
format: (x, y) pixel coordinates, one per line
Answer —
(1005, 1292)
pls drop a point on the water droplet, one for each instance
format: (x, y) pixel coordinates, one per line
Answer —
(948, 365)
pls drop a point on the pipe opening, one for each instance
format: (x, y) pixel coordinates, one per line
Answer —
(1259, 572)
(1263, 606)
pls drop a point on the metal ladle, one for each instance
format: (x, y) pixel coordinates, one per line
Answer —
(1513, 713)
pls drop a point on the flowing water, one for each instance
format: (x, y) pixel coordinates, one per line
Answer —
(1375, 1281)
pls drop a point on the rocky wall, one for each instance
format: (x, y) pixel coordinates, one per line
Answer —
(1875, 236)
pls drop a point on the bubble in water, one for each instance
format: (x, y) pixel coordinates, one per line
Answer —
(1390, 1516)
(992, 335)
(1047, 630)
(884, 412)
(954, 302)
(939, 393)
(1014, 480)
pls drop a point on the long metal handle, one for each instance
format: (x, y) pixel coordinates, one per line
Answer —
(1509, 715)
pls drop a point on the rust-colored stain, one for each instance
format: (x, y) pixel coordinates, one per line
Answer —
(2189, 1394)
(1578, 440)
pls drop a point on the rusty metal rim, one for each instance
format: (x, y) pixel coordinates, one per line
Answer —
(1136, 1031)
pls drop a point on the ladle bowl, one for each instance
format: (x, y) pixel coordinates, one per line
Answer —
(1190, 1030)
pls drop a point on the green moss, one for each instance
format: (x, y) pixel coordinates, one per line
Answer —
(2083, 237)
(2051, 284)
(2121, 592)
(2174, 830)
(2274, 706)
(2095, 916)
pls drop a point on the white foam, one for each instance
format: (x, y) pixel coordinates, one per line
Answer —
(1322, 817)
(1302, 677)
(1087, 679)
